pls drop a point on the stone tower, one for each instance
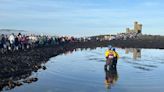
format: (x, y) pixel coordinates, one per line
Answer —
(137, 27)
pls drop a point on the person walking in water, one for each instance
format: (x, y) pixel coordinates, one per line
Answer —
(116, 57)
(109, 55)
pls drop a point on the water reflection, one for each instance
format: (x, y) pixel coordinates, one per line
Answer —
(16, 81)
(78, 49)
(28, 77)
(111, 77)
(10, 83)
(140, 65)
(136, 52)
(91, 74)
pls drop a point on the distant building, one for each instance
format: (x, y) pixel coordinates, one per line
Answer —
(137, 28)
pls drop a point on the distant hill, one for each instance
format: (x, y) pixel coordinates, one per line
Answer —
(9, 31)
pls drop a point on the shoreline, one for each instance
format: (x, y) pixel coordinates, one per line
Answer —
(19, 60)
(20, 64)
(137, 43)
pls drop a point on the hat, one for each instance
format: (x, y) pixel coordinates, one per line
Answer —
(109, 46)
(113, 49)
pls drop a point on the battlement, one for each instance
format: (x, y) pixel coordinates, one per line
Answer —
(137, 28)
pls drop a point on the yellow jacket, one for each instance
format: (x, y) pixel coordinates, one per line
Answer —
(116, 54)
(108, 52)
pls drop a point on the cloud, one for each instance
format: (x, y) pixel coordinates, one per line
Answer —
(151, 3)
(95, 16)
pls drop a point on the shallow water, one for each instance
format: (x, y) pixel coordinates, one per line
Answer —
(138, 70)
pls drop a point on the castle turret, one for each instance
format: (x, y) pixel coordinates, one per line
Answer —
(137, 27)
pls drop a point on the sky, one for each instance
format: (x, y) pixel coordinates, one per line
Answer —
(82, 17)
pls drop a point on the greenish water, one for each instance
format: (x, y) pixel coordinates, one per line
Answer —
(138, 70)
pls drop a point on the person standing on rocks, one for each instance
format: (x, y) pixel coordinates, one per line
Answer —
(12, 40)
(3, 43)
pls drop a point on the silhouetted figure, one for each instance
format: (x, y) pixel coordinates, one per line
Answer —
(109, 55)
(111, 58)
(116, 57)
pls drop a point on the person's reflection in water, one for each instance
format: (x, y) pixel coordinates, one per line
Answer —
(111, 77)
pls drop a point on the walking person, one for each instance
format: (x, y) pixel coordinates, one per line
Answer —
(109, 55)
(116, 57)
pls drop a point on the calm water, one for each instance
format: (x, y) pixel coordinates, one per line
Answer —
(83, 71)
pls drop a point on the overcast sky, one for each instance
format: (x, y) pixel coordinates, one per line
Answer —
(82, 17)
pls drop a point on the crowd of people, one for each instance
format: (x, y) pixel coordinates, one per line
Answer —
(125, 36)
(20, 41)
(13, 42)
